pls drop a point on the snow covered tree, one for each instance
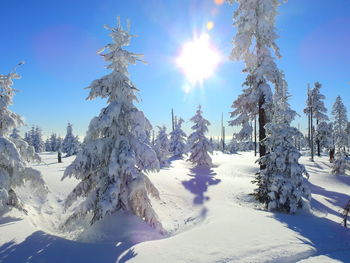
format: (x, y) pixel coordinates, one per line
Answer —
(280, 185)
(162, 146)
(324, 135)
(15, 133)
(316, 105)
(199, 145)
(70, 144)
(255, 43)
(37, 140)
(14, 152)
(115, 152)
(178, 139)
(340, 136)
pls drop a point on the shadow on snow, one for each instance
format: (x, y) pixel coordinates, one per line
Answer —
(202, 178)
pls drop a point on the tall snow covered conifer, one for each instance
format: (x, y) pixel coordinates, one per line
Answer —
(162, 146)
(199, 145)
(315, 102)
(255, 43)
(340, 136)
(115, 152)
(178, 139)
(280, 185)
(14, 152)
(70, 144)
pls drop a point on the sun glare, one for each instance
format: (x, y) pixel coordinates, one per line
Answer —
(198, 59)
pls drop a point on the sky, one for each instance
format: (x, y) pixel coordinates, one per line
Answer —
(58, 40)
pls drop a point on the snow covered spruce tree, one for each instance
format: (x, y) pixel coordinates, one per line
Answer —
(14, 152)
(115, 152)
(198, 144)
(280, 185)
(254, 43)
(316, 105)
(70, 144)
(162, 146)
(340, 136)
(178, 139)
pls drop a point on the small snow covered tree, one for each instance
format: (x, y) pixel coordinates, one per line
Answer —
(14, 152)
(199, 145)
(340, 136)
(115, 152)
(162, 146)
(255, 43)
(37, 140)
(280, 185)
(324, 135)
(178, 139)
(70, 144)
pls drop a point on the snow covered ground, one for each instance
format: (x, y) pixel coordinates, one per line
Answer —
(208, 213)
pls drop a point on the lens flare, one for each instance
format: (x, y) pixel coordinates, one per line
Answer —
(198, 59)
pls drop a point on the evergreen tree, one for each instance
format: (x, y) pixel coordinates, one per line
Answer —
(15, 133)
(162, 146)
(316, 104)
(115, 151)
(340, 136)
(178, 139)
(254, 42)
(37, 140)
(14, 152)
(70, 144)
(280, 184)
(199, 145)
(48, 145)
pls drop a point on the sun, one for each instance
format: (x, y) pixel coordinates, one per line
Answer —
(198, 59)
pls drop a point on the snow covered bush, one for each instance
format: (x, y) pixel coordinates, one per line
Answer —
(14, 152)
(70, 144)
(115, 152)
(178, 139)
(199, 145)
(162, 146)
(340, 165)
(281, 185)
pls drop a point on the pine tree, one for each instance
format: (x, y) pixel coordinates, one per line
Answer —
(15, 133)
(178, 139)
(316, 105)
(340, 136)
(162, 146)
(14, 152)
(280, 184)
(70, 144)
(115, 151)
(254, 42)
(199, 145)
(37, 140)
(48, 145)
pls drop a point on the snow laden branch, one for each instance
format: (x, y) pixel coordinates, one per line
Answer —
(116, 153)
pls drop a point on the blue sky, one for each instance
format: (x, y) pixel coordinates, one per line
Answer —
(59, 39)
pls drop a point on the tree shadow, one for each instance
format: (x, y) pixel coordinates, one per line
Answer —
(42, 247)
(8, 220)
(335, 198)
(202, 178)
(325, 236)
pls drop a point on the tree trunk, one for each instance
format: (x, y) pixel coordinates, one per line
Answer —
(255, 143)
(318, 143)
(262, 132)
(331, 155)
